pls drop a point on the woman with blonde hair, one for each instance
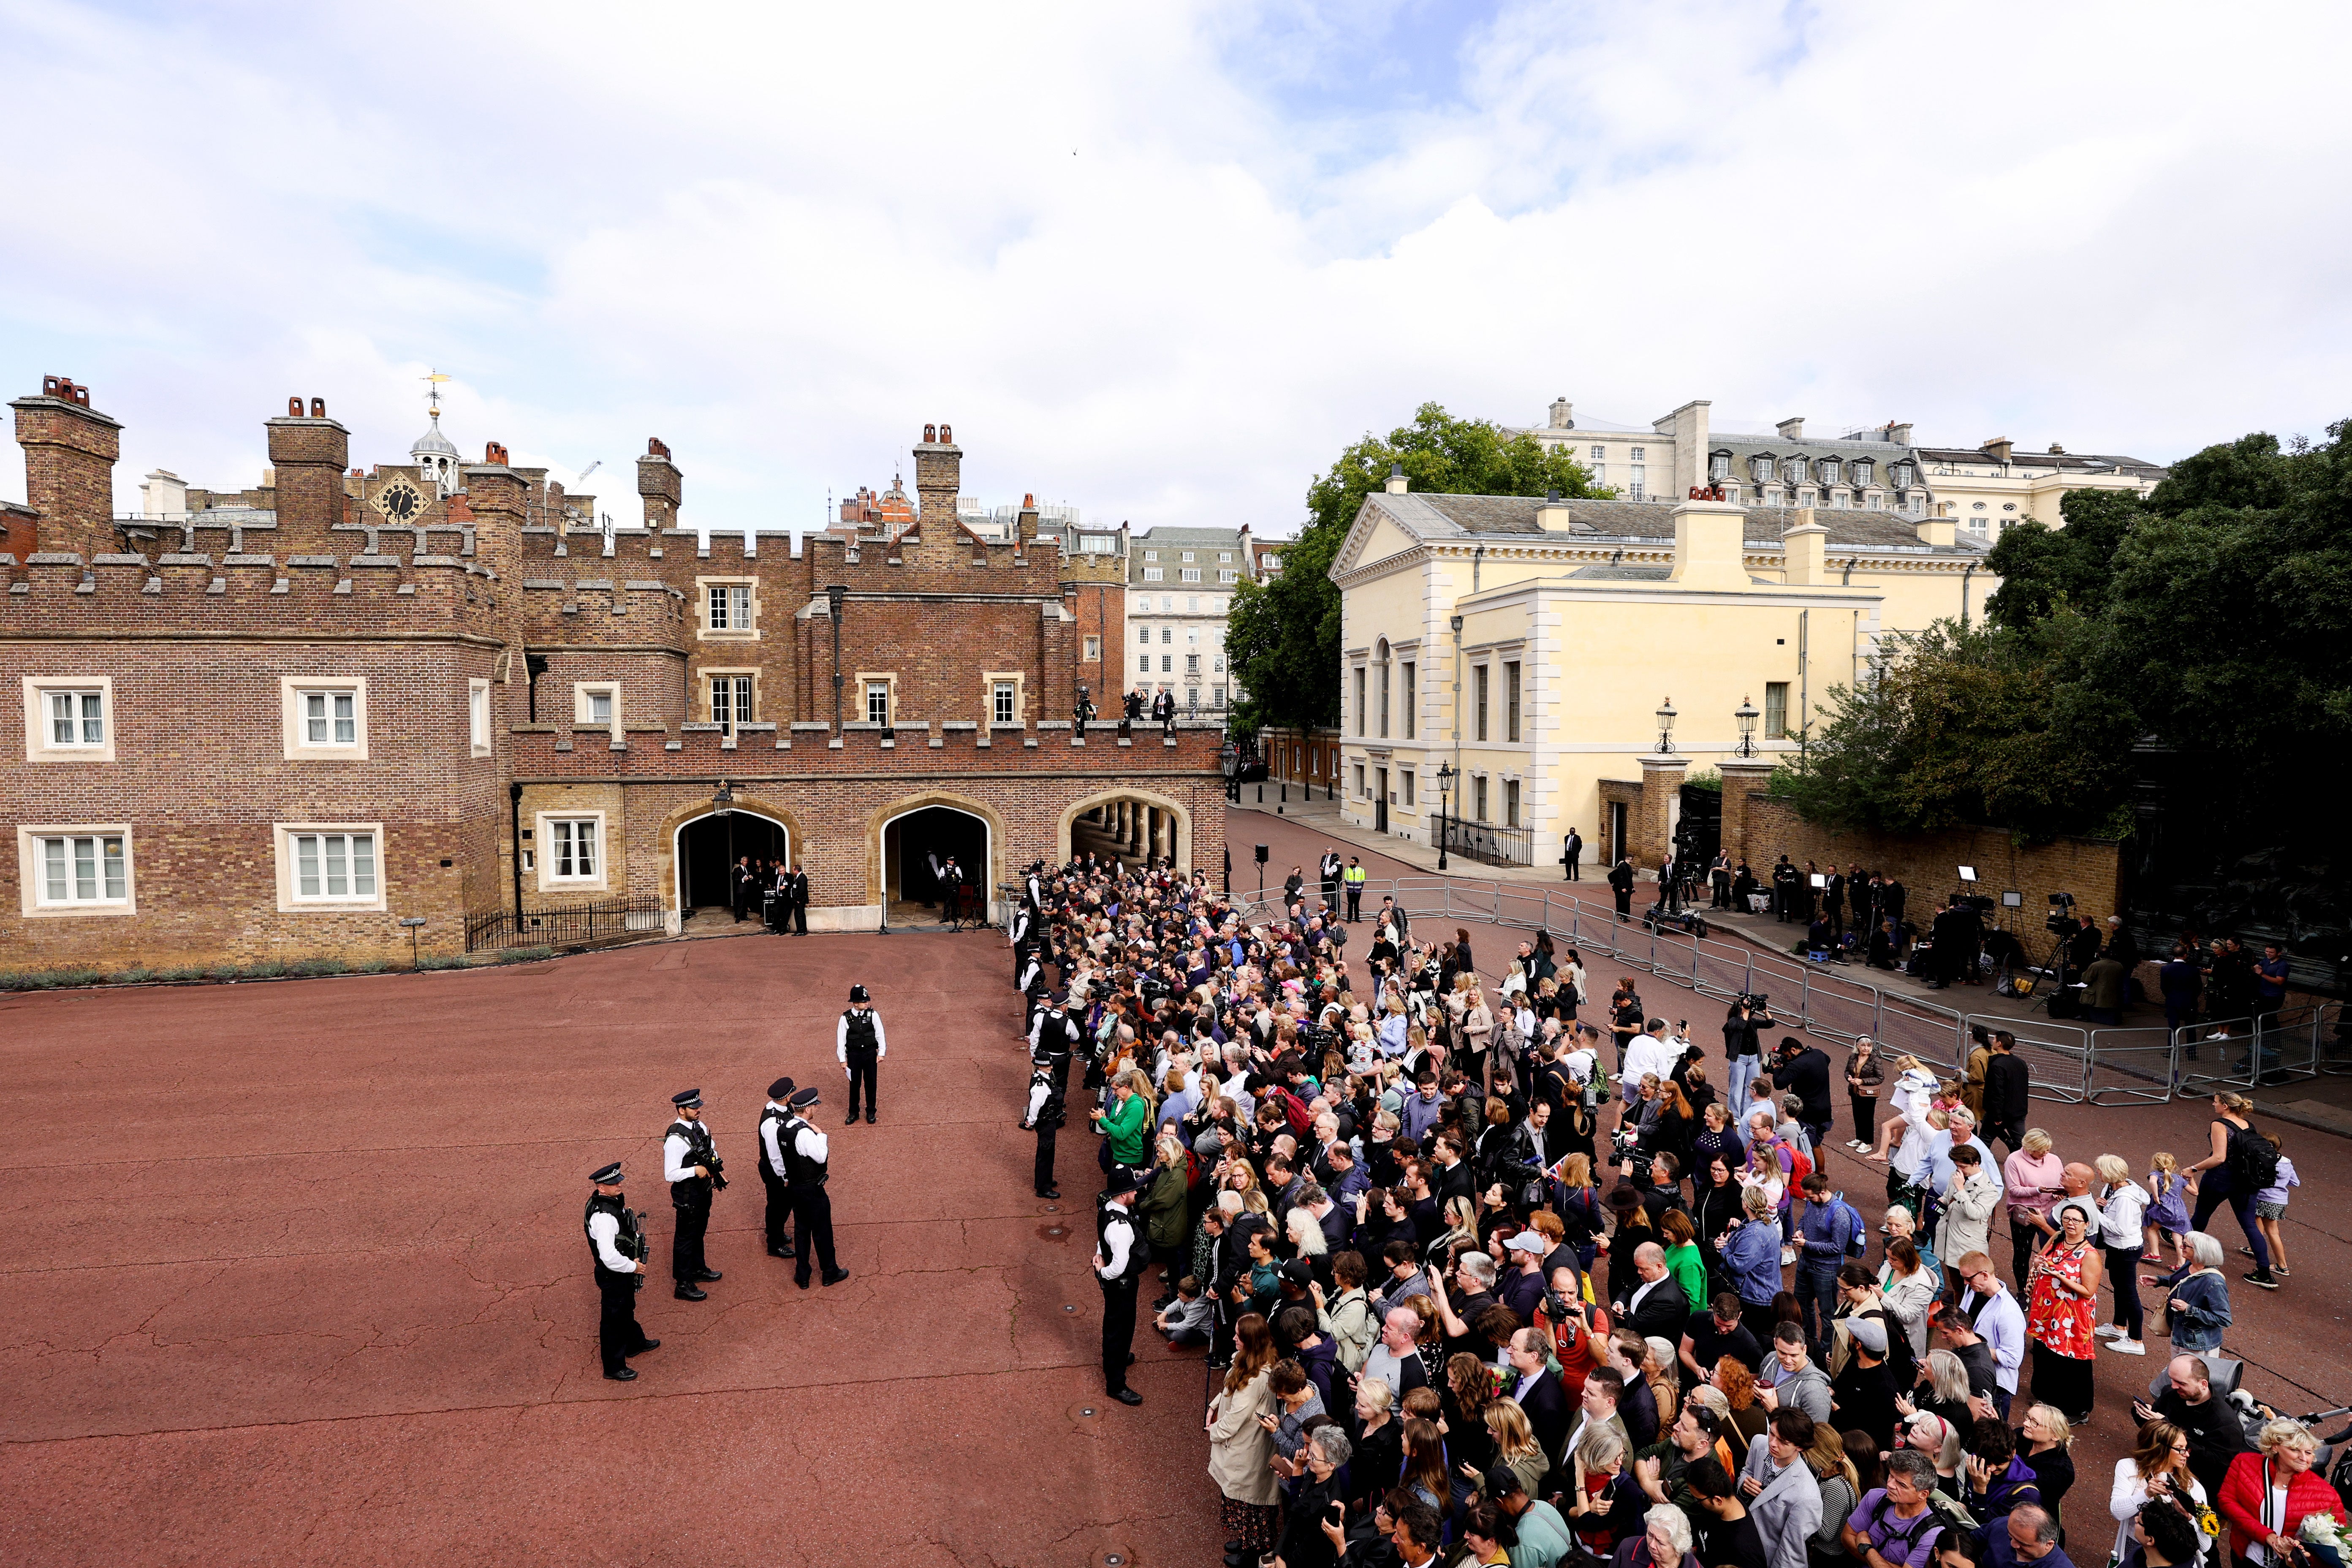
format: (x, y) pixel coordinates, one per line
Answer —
(2122, 1202)
(1515, 1444)
(2034, 1179)
(2157, 1467)
(2267, 1494)
(1241, 1447)
(1304, 1234)
(1939, 1440)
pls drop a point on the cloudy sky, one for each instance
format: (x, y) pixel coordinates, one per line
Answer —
(1163, 261)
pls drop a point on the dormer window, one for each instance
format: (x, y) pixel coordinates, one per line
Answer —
(1793, 470)
(1864, 470)
(1718, 466)
(1902, 475)
(1828, 469)
(1759, 468)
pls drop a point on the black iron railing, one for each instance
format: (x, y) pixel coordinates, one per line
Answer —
(574, 925)
(1486, 842)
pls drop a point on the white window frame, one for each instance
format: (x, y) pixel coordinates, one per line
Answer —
(583, 713)
(1189, 573)
(292, 899)
(1090, 651)
(1155, 574)
(294, 692)
(990, 680)
(1145, 639)
(39, 747)
(735, 695)
(478, 716)
(550, 844)
(710, 629)
(888, 681)
(30, 867)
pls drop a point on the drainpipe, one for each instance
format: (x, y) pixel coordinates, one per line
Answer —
(1966, 572)
(514, 802)
(1847, 581)
(1476, 557)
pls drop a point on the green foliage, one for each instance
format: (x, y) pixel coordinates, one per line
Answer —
(2043, 568)
(136, 975)
(1967, 726)
(1283, 636)
(316, 966)
(1707, 779)
(444, 961)
(524, 954)
(181, 976)
(47, 979)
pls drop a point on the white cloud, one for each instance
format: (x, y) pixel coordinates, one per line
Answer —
(1163, 262)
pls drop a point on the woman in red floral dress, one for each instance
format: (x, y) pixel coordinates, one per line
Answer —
(2061, 1313)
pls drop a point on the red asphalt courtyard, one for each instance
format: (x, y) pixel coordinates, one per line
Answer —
(296, 1275)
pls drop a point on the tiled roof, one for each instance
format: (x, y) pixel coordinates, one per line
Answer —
(1450, 516)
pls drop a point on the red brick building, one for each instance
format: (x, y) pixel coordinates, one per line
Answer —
(273, 722)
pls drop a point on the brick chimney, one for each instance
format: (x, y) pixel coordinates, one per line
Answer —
(1999, 449)
(70, 454)
(1899, 433)
(308, 452)
(938, 474)
(1792, 429)
(659, 484)
(1027, 530)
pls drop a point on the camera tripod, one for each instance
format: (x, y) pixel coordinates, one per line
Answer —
(2053, 970)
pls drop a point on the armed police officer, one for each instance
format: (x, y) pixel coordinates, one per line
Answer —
(616, 1251)
(774, 1174)
(1045, 1114)
(805, 1154)
(1120, 1259)
(690, 1165)
(1054, 1034)
(858, 1044)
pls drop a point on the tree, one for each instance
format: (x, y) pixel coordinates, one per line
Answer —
(1969, 725)
(1282, 640)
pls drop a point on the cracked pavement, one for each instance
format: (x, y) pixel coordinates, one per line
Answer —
(297, 1275)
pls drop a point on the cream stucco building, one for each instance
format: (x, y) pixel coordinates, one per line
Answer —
(1528, 645)
(1872, 469)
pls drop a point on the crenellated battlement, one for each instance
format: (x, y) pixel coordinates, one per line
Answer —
(202, 591)
(689, 750)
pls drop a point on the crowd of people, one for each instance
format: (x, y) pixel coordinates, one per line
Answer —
(1516, 1271)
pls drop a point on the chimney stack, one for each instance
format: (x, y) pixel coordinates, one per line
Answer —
(1899, 433)
(1563, 414)
(938, 474)
(1027, 530)
(1552, 514)
(70, 454)
(659, 484)
(308, 453)
(1710, 546)
(1936, 531)
(1999, 449)
(1804, 549)
(1792, 429)
(1397, 484)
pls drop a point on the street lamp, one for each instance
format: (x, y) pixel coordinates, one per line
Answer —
(722, 805)
(1445, 776)
(836, 599)
(1746, 715)
(1666, 728)
(1229, 760)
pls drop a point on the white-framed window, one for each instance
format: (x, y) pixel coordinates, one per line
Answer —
(1004, 706)
(1410, 699)
(1186, 555)
(69, 718)
(1362, 792)
(574, 850)
(324, 718)
(1829, 469)
(1167, 604)
(1191, 696)
(1219, 697)
(1192, 664)
(731, 700)
(330, 866)
(1143, 636)
(877, 703)
(1637, 482)
(1189, 573)
(1152, 555)
(1155, 573)
(1191, 607)
(1167, 635)
(75, 870)
(727, 607)
(1167, 664)
(1224, 557)
(1090, 651)
(478, 716)
(1217, 664)
(596, 704)
(1229, 575)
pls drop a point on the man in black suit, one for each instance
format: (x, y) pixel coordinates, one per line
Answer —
(1571, 851)
(1833, 900)
(1958, 934)
(794, 890)
(740, 886)
(1804, 1071)
(1656, 1306)
(1620, 883)
(2007, 1089)
(1538, 1390)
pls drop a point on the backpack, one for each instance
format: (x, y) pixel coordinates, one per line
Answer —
(1799, 1164)
(1857, 1241)
(2254, 1157)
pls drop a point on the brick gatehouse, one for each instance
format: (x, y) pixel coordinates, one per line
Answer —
(275, 723)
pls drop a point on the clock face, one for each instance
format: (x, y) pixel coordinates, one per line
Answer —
(400, 501)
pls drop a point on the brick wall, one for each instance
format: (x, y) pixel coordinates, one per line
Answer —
(1926, 863)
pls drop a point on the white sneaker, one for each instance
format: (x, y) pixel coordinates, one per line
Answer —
(1788, 1256)
(2128, 1347)
(2109, 1331)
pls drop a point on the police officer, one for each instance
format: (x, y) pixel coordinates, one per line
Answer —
(951, 893)
(616, 1251)
(1353, 879)
(773, 1176)
(1021, 931)
(1046, 1113)
(690, 1165)
(804, 1154)
(1120, 1259)
(1054, 1035)
(858, 1045)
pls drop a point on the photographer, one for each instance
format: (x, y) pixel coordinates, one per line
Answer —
(1748, 1016)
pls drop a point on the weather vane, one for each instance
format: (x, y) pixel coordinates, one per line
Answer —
(432, 380)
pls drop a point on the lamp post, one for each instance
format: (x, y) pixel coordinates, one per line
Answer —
(1666, 728)
(1229, 759)
(1445, 776)
(1746, 716)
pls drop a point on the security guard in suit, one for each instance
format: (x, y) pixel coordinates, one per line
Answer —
(805, 1155)
(773, 1174)
(616, 1251)
(690, 1165)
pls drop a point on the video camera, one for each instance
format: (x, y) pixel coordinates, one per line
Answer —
(1625, 1149)
(1755, 1001)
(2061, 918)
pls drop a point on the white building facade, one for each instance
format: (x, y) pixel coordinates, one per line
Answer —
(1179, 593)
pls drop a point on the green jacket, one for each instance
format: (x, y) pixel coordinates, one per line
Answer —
(1126, 1125)
(1162, 1207)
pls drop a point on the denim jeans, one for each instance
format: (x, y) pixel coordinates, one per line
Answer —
(1744, 1070)
(1817, 1298)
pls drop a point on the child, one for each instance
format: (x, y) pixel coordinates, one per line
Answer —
(2167, 1214)
(1186, 1321)
(2270, 1203)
